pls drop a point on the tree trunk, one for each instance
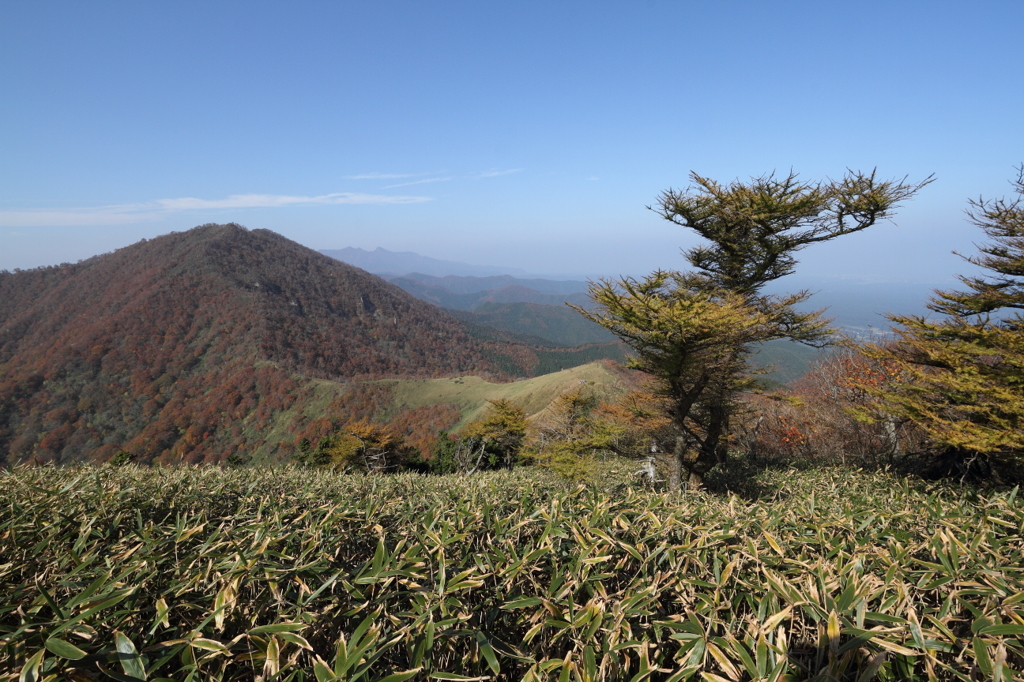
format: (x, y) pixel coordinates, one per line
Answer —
(675, 471)
(696, 481)
(892, 440)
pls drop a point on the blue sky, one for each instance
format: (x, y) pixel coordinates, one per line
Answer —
(526, 134)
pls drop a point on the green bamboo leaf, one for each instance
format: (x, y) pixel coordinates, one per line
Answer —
(488, 652)
(400, 677)
(276, 628)
(711, 677)
(114, 675)
(917, 636)
(121, 596)
(872, 668)
(131, 661)
(589, 663)
(33, 667)
(297, 640)
(741, 651)
(65, 649)
(322, 672)
(980, 624)
(51, 601)
(272, 662)
(522, 602)
(207, 644)
(341, 662)
(982, 657)
(1002, 630)
(761, 656)
(161, 614)
(683, 674)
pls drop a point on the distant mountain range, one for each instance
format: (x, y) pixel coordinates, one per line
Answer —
(458, 293)
(857, 307)
(391, 263)
(528, 308)
(533, 308)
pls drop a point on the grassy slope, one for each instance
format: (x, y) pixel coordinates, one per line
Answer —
(229, 575)
(471, 393)
(280, 428)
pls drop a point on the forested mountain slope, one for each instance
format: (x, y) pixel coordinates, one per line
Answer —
(470, 285)
(189, 345)
(557, 324)
(459, 300)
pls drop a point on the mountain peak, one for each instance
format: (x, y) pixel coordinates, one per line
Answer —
(191, 344)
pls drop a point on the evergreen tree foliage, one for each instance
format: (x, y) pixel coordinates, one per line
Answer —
(500, 432)
(572, 432)
(965, 371)
(359, 446)
(693, 332)
(492, 442)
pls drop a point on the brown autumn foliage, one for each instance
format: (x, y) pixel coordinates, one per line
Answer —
(820, 418)
(420, 426)
(191, 346)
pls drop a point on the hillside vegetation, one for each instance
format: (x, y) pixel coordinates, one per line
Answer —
(558, 324)
(192, 345)
(469, 293)
(470, 394)
(292, 574)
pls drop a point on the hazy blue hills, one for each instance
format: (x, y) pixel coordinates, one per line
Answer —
(391, 263)
(529, 309)
(533, 310)
(439, 294)
(559, 324)
(470, 285)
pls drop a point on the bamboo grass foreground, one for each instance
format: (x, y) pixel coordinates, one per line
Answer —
(288, 574)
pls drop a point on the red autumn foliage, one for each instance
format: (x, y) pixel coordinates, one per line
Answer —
(815, 419)
(188, 347)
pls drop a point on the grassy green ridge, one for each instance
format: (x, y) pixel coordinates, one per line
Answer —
(470, 393)
(288, 574)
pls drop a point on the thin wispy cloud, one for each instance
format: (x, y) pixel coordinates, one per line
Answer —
(106, 215)
(493, 173)
(382, 176)
(417, 182)
(277, 200)
(124, 214)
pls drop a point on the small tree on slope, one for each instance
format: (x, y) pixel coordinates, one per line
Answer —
(966, 387)
(693, 332)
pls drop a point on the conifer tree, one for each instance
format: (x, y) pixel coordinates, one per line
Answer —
(694, 331)
(965, 371)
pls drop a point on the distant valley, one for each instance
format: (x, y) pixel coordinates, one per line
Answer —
(858, 307)
(533, 310)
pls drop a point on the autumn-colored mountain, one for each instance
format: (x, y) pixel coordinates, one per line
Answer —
(191, 345)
